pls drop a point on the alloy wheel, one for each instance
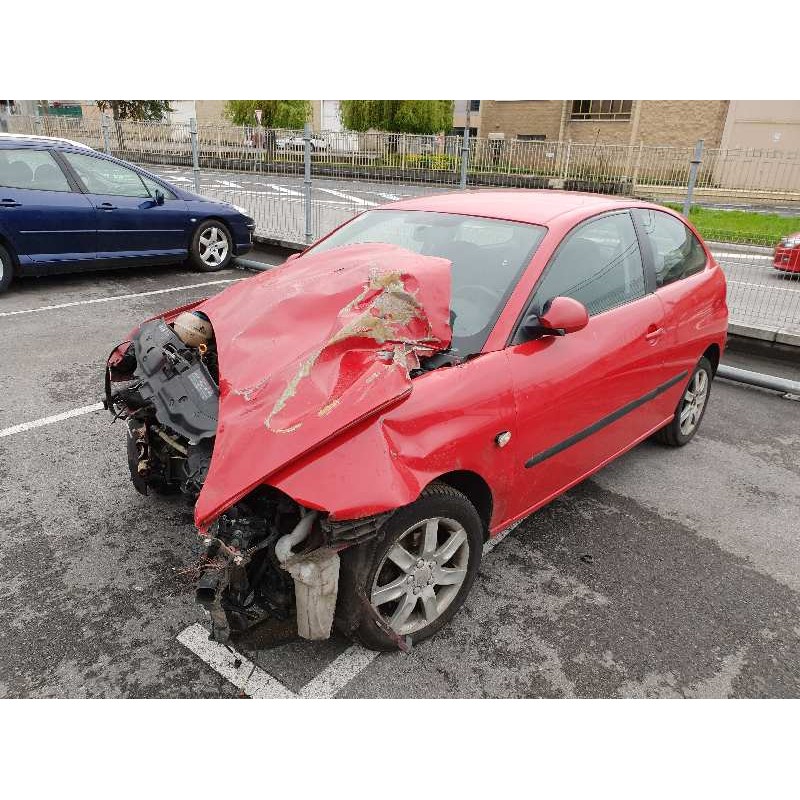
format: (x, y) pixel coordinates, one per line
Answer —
(213, 246)
(421, 574)
(694, 401)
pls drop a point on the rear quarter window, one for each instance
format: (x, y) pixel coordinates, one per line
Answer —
(677, 253)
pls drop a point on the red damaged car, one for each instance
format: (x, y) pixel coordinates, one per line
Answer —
(356, 423)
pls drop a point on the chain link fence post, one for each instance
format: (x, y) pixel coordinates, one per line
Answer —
(464, 158)
(195, 154)
(106, 139)
(307, 181)
(695, 166)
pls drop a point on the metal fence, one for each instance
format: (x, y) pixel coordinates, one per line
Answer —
(299, 185)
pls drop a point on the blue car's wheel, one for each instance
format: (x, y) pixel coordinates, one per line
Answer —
(212, 247)
(6, 268)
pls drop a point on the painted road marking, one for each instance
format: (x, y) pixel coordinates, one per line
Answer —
(765, 286)
(284, 190)
(256, 682)
(38, 423)
(339, 673)
(117, 297)
(248, 677)
(359, 201)
(741, 255)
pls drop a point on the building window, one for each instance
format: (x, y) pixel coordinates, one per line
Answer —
(531, 137)
(601, 109)
(474, 105)
(473, 132)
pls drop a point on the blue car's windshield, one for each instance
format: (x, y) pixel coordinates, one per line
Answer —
(488, 257)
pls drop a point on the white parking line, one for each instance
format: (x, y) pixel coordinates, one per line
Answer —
(359, 201)
(339, 673)
(256, 682)
(248, 677)
(740, 255)
(38, 423)
(764, 286)
(117, 297)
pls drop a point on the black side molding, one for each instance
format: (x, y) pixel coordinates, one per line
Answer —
(602, 423)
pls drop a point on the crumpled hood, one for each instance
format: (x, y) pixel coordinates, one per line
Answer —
(310, 349)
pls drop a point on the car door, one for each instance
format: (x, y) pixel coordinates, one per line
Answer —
(584, 397)
(48, 221)
(691, 301)
(131, 225)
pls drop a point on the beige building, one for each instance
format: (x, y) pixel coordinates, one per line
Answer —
(763, 125)
(675, 123)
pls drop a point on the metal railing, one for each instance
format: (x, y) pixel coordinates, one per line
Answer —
(299, 185)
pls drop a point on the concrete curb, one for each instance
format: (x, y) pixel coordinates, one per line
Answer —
(789, 335)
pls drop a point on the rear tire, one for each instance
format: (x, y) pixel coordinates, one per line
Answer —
(6, 269)
(691, 407)
(212, 246)
(415, 574)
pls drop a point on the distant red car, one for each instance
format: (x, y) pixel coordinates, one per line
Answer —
(356, 423)
(787, 254)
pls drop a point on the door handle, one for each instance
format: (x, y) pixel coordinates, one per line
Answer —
(107, 207)
(654, 334)
(7, 202)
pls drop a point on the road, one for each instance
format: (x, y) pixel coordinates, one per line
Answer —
(671, 573)
(758, 295)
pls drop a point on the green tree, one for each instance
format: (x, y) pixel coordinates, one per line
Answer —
(276, 113)
(398, 116)
(137, 110)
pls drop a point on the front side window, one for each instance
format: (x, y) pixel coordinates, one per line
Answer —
(599, 264)
(154, 187)
(106, 177)
(31, 169)
(488, 257)
(676, 251)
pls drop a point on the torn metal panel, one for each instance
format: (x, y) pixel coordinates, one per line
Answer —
(311, 349)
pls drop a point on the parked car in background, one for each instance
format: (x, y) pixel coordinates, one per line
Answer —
(364, 417)
(787, 254)
(299, 143)
(65, 207)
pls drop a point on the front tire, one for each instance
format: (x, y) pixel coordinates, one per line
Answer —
(6, 269)
(691, 407)
(415, 575)
(212, 246)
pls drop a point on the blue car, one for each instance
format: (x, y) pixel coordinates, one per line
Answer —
(65, 207)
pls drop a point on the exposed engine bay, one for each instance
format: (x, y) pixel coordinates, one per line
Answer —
(165, 385)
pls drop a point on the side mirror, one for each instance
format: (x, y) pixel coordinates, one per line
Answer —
(561, 315)
(159, 198)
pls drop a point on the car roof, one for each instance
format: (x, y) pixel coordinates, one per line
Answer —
(534, 206)
(25, 138)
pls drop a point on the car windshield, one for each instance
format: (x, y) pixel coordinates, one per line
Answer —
(488, 257)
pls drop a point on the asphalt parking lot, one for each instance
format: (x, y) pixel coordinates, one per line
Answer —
(671, 573)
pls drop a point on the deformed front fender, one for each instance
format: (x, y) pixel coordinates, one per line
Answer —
(449, 423)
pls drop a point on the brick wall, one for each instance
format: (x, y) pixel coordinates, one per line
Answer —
(677, 123)
(520, 117)
(680, 123)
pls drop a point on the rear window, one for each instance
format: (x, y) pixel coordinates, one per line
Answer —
(26, 168)
(676, 251)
